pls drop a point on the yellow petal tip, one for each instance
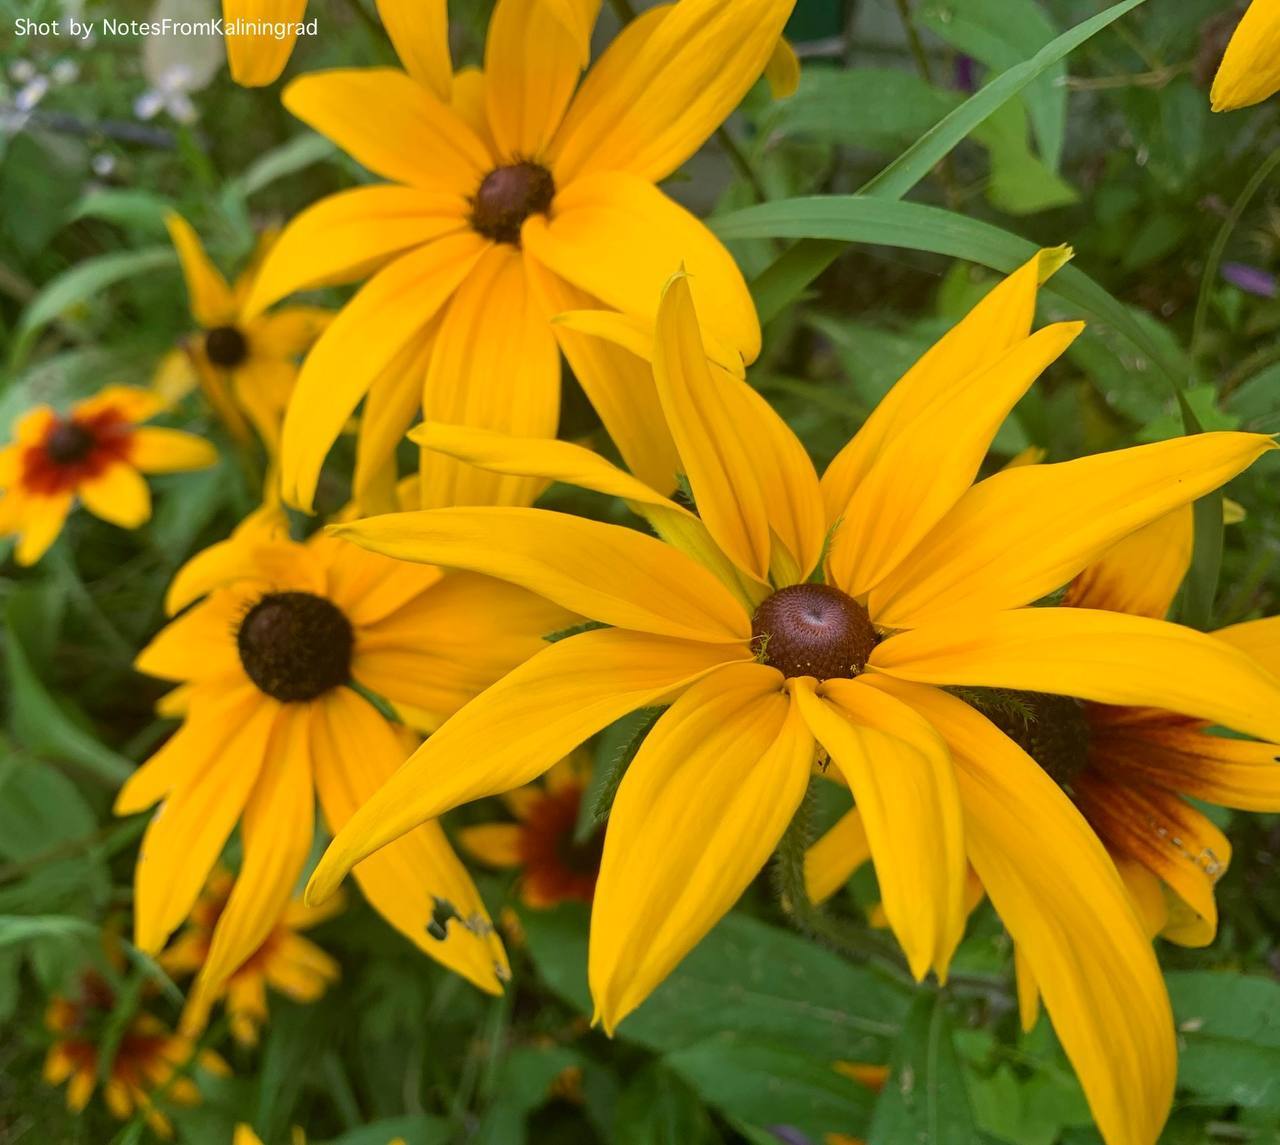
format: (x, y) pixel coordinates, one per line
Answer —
(1052, 260)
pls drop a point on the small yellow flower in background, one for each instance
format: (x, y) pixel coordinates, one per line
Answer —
(149, 1065)
(263, 664)
(554, 867)
(520, 199)
(1250, 70)
(96, 454)
(244, 1135)
(245, 365)
(925, 584)
(285, 961)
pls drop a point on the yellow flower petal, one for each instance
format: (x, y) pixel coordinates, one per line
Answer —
(207, 291)
(923, 469)
(841, 850)
(531, 65)
(1070, 917)
(1022, 533)
(495, 365)
(1259, 639)
(1250, 70)
(635, 334)
(288, 333)
(517, 729)
(347, 236)
(665, 85)
(996, 324)
(901, 777)
(187, 831)
(359, 753)
(699, 811)
(606, 572)
(393, 126)
(169, 451)
(257, 59)
(41, 521)
(387, 313)
(495, 844)
(276, 834)
(1142, 573)
(579, 18)
(782, 72)
(419, 31)
(118, 494)
(1103, 656)
(199, 644)
(614, 219)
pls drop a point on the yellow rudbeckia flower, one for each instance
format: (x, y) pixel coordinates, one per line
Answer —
(285, 961)
(1250, 69)
(269, 723)
(519, 200)
(96, 454)
(246, 365)
(766, 647)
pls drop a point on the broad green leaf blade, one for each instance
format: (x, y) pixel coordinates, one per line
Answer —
(925, 1098)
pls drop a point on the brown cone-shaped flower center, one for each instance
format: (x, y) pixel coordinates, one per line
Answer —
(69, 442)
(508, 196)
(226, 346)
(1052, 730)
(295, 646)
(813, 630)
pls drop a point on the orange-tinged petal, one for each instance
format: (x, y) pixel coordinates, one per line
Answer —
(606, 572)
(495, 365)
(1142, 573)
(1071, 919)
(419, 31)
(1025, 532)
(393, 126)
(118, 494)
(257, 58)
(901, 777)
(519, 728)
(207, 291)
(665, 85)
(697, 815)
(347, 236)
(612, 219)
(494, 844)
(1103, 656)
(1250, 69)
(387, 313)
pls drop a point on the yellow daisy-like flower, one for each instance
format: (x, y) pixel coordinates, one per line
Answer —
(519, 200)
(767, 643)
(554, 866)
(148, 1064)
(1250, 70)
(96, 454)
(264, 662)
(245, 364)
(285, 961)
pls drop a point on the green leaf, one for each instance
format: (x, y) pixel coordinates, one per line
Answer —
(657, 1108)
(1020, 183)
(139, 211)
(1001, 34)
(416, 1129)
(300, 152)
(925, 1098)
(523, 1085)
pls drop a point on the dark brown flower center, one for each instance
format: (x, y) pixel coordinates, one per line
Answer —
(226, 346)
(508, 196)
(1052, 730)
(69, 442)
(813, 630)
(295, 646)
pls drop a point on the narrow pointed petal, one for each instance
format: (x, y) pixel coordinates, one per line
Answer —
(156, 450)
(207, 291)
(783, 71)
(921, 472)
(1027, 531)
(614, 219)
(1070, 917)
(393, 126)
(356, 754)
(347, 236)
(606, 572)
(388, 312)
(1250, 69)
(699, 811)
(665, 84)
(257, 59)
(1103, 656)
(519, 728)
(841, 850)
(419, 32)
(1142, 573)
(495, 365)
(901, 777)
